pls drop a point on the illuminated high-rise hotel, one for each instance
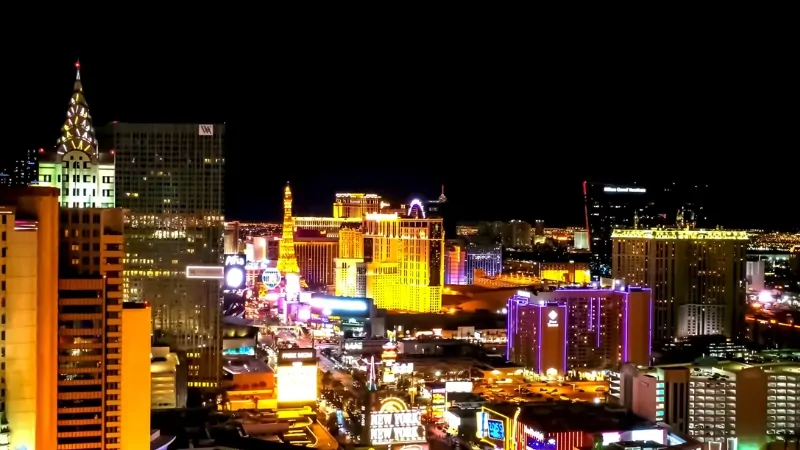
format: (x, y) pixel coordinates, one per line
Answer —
(404, 260)
(84, 175)
(78, 360)
(698, 278)
(349, 267)
(553, 332)
(287, 261)
(170, 182)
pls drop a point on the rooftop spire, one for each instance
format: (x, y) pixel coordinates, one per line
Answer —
(442, 198)
(77, 133)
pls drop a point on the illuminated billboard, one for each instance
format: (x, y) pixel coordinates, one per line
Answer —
(342, 306)
(301, 355)
(297, 375)
(271, 278)
(395, 423)
(494, 428)
(235, 277)
(297, 383)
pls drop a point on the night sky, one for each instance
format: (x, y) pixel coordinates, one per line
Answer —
(508, 141)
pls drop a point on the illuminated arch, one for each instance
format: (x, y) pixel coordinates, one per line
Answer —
(416, 202)
(393, 404)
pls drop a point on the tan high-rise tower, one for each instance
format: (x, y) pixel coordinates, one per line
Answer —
(287, 261)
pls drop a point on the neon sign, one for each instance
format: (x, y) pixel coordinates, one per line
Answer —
(536, 434)
(271, 277)
(553, 316)
(297, 355)
(395, 423)
(234, 271)
(417, 203)
(338, 304)
(496, 429)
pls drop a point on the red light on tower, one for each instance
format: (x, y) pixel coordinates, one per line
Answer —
(77, 64)
(41, 150)
(113, 152)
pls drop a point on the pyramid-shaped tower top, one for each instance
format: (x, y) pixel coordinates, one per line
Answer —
(287, 193)
(77, 133)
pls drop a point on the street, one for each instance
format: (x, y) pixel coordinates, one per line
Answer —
(324, 439)
(326, 365)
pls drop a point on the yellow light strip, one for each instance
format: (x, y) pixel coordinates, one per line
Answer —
(728, 235)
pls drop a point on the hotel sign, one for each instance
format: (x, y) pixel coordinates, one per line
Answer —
(624, 190)
(552, 319)
(297, 355)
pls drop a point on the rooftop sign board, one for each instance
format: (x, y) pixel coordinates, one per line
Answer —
(624, 190)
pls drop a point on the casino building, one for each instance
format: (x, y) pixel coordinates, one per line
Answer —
(553, 332)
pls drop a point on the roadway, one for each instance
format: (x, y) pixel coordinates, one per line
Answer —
(326, 365)
(324, 438)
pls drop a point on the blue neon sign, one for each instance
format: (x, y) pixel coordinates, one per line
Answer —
(497, 430)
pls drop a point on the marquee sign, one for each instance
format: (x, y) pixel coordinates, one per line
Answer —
(271, 277)
(394, 423)
(297, 355)
(235, 271)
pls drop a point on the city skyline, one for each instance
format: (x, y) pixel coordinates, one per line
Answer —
(532, 178)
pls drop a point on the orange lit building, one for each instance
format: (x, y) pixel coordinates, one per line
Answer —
(64, 380)
(350, 271)
(251, 391)
(408, 250)
(565, 272)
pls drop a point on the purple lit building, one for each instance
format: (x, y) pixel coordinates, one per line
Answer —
(580, 329)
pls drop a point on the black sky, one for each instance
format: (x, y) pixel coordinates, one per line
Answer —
(509, 137)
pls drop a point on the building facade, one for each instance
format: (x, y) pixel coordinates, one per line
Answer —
(69, 359)
(356, 205)
(727, 405)
(698, 278)
(463, 260)
(327, 226)
(553, 332)
(170, 182)
(404, 260)
(315, 258)
(84, 175)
